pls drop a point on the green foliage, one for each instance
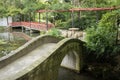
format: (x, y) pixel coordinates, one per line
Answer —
(60, 24)
(109, 20)
(54, 32)
(2, 11)
(2, 42)
(2, 28)
(12, 11)
(96, 3)
(82, 23)
(115, 2)
(42, 32)
(25, 6)
(102, 39)
(7, 46)
(59, 16)
(61, 6)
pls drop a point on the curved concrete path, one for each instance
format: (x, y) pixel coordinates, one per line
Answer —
(40, 59)
(27, 60)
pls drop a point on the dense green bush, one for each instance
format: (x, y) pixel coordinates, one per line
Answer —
(2, 42)
(54, 32)
(2, 28)
(102, 38)
(81, 23)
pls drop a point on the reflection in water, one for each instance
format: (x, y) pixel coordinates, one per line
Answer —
(9, 37)
(6, 36)
(65, 74)
(32, 34)
(9, 42)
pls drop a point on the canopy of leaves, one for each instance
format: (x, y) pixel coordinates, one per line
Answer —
(81, 23)
(61, 6)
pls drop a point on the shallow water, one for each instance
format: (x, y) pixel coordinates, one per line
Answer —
(9, 42)
(32, 34)
(65, 74)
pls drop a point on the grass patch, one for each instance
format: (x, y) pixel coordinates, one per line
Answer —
(2, 28)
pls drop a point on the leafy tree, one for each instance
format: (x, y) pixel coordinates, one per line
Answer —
(60, 16)
(102, 38)
(61, 6)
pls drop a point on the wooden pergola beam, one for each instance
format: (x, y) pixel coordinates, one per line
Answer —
(75, 10)
(80, 9)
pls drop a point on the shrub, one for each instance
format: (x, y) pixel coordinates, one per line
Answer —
(2, 42)
(54, 32)
(102, 39)
(81, 23)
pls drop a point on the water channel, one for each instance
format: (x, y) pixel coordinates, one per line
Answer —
(10, 42)
(65, 74)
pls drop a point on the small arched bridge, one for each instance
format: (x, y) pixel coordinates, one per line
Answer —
(42, 26)
(40, 59)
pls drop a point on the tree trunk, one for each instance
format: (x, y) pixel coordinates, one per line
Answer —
(39, 17)
(7, 21)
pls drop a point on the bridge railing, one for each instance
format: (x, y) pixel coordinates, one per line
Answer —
(33, 25)
(15, 24)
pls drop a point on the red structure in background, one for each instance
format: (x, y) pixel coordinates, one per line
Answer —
(94, 9)
(80, 9)
(46, 26)
(32, 25)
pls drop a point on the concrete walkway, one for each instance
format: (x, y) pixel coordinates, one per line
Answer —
(22, 63)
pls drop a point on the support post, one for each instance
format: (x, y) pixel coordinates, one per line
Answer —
(24, 17)
(39, 17)
(34, 16)
(118, 30)
(30, 20)
(53, 18)
(30, 23)
(20, 18)
(79, 17)
(22, 29)
(7, 21)
(46, 20)
(72, 18)
(97, 16)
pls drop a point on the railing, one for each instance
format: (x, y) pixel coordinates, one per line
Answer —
(32, 25)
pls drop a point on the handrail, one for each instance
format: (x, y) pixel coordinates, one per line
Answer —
(33, 25)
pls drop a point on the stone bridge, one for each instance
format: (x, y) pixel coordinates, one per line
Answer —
(40, 59)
